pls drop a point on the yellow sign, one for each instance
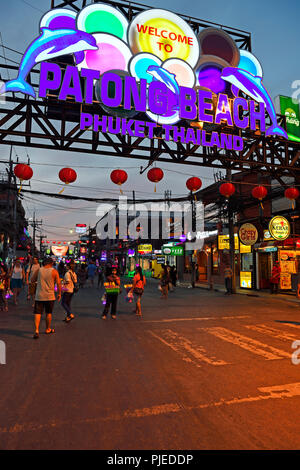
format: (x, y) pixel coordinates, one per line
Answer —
(223, 242)
(144, 248)
(279, 228)
(245, 248)
(246, 279)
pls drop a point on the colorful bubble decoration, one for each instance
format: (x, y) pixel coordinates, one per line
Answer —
(183, 72)
(101, 18)
(216, 42)
(209, 73)
(250, 63)
(139, 64)
(163, 34)
(59, 18)
(112, 53)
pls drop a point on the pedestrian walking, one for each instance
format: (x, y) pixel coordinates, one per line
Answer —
(91, 271)
(173, 276)
(112, 288)
(275, 278)
(100, 277)
(228, 279)
(82, 276)
(3, 303)
(61, 269)
(47, 278)
(31, 286)
(139, 282)
(17, 278)
(69, 287)
(193, 274)
(164, 282)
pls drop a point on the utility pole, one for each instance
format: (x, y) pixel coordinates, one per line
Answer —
(35, 223)
(231, 236)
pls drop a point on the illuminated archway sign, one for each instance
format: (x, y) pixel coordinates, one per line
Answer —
(165, 62)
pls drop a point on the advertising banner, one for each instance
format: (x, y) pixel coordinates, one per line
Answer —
(288, 108)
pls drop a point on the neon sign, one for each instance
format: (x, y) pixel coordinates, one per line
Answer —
(156, 65)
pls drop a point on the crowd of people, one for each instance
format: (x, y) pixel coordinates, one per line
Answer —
(48, 281)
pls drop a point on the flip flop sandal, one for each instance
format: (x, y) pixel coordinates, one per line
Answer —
(50, 332)
(36, 336)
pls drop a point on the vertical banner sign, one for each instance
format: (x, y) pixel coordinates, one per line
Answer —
(288, 108)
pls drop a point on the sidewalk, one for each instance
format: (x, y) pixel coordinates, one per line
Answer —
(250, 293)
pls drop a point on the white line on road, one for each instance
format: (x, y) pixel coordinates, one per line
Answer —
(268, 393)
(268, 330)
(186, 350)
(170, 320)
(249, 344)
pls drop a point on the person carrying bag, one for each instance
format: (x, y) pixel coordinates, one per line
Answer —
(139, 283)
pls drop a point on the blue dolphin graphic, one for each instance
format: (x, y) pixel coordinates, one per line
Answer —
(161, 75)
(252, 86)
(50, 44)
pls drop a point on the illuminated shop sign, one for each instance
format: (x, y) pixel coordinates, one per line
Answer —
(223, 242)
(289, 108)
(248, 234)
(155, 65)
(246, 279)
(142, 249)
(279, 228)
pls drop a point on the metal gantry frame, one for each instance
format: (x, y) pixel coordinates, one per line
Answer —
(47, 123)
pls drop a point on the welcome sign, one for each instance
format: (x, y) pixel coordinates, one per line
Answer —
(156, 65)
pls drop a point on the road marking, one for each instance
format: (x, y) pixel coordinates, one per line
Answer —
(291, 390)
(186, 350)
(268, 330)
(244, 342)
(170, 320)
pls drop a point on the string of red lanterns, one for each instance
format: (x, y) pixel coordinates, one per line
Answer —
(23, 172)
(119, 177)
(155, 175)
(67, 176)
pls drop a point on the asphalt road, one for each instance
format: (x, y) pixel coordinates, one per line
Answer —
(200, 370)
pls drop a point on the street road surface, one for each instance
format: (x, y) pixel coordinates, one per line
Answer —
(200, 370)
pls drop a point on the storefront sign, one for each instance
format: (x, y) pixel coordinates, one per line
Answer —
(290, 109)
(173, 250)
(279, 227)
(248, 234)
(246, 279)
(142, 249)
(160, 259)
(223, 242)
(80, 228)
(267, 235)
(152, 65)
(245, 248)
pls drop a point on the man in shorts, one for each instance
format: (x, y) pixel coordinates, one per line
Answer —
(47, 277)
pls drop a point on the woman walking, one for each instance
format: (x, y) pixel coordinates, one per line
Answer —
(17, 277)
(139, 282)
(164, 282)
(70, 279)
(34, 267)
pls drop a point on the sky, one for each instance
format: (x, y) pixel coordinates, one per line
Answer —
(274, 27)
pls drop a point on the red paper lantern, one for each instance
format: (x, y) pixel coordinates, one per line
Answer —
(227, 189)
(155, 175)
(194, 184)
(259, 192)
(119, 177)
(23, 172)
(67, 176)
(292, 194)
